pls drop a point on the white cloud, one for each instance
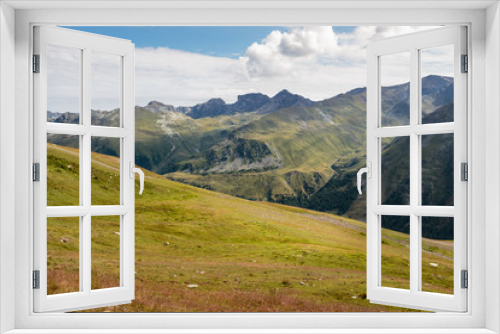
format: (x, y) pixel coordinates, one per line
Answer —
(318, 63)
(185, 78)
(438, 61)
(280, 51)
(315, 62)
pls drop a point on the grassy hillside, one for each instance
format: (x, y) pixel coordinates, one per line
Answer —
(202, 251)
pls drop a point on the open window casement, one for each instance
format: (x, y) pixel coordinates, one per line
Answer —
(72, 68)
(412, 136)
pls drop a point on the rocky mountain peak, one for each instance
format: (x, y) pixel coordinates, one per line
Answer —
(213, 102)
(156, 104)
(159, 107)
(249, 102)
(253, 97)
(284, 99)
(283, 94)
(212, 108)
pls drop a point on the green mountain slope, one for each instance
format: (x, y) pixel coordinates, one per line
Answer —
(237, 255)
(299, 145)
(306, 155)
(340, 196)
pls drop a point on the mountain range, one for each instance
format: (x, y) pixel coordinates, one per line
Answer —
(253, 102)
(285, 148)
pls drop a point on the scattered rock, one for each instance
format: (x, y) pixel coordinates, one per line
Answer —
(64, 240)
(433, 264)
(117, 233)
(166, 243)
(353, 296)
(192, 286)
(303, 284)
(202, 272)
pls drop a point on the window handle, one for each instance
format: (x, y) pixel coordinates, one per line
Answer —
(134, 170)
(368, 171)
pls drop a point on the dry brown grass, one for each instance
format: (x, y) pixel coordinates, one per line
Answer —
(180, 298)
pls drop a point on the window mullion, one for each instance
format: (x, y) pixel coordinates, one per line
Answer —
(86, 177)
(414, 172)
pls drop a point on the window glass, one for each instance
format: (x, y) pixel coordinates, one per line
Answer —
(105, 89)
(437, 254)
(437, 88)
(105, 171)
(395, 89)
(63, 255)
(63, 170)
(395, 170)
(63, 84)
(438, 169)
(106, 236)
(395, 239)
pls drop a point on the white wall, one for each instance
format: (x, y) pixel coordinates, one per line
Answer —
(7, 160)
(492, 165)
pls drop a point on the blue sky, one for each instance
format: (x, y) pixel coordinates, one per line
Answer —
(229, 42)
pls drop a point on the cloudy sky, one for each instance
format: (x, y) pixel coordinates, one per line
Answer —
(184, 66)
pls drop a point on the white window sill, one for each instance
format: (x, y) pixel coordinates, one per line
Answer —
(251, 331)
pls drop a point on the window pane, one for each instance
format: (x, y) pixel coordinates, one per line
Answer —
(395, 82)
(63, 84)
(395, 238)
(105, 171)
(437, 254)
(437, 71)
(63, 255)
(106, 234)
(395, 169)
(63, 170)
(106, 89)
(437, 169)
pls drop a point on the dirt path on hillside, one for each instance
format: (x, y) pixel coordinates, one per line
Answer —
(332, 221)
(436, 243)
(76, 154)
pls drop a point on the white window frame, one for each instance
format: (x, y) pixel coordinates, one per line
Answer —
(123, 50)
(412, 44)
(484, 103)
